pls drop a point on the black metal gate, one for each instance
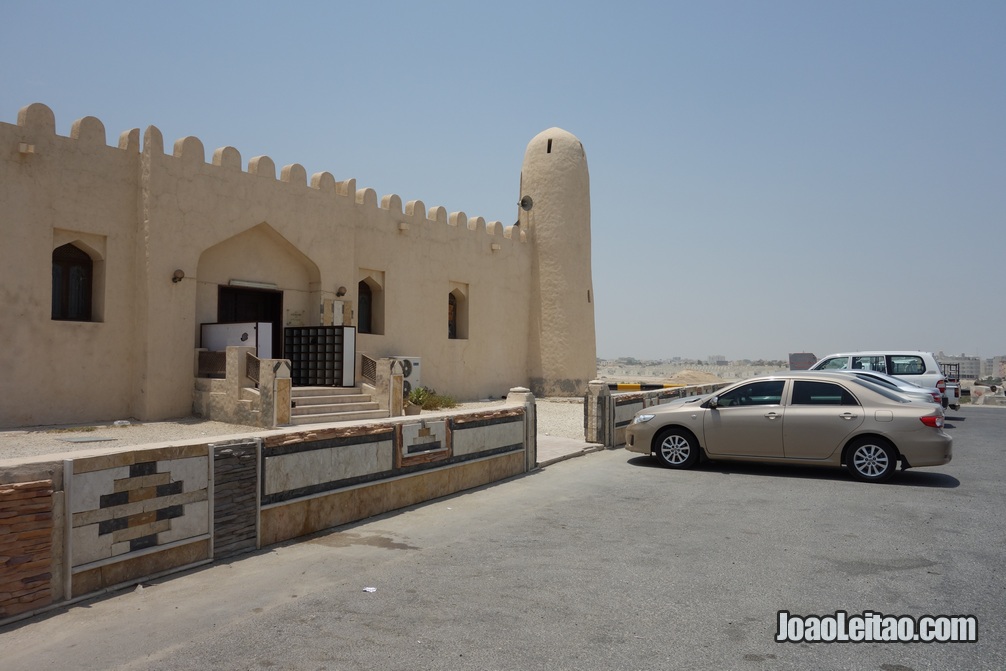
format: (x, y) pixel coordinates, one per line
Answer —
(323, 356)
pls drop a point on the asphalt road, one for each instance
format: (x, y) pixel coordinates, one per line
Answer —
(601, 562)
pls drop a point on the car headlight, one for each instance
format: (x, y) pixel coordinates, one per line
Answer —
(639, 419)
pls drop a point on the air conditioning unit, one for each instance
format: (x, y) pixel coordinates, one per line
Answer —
(410, 372)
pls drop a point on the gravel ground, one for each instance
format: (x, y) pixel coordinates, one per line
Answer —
(556, 417)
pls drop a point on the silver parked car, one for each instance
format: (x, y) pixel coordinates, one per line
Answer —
(919, 368)
(928, 394)
(797, 417)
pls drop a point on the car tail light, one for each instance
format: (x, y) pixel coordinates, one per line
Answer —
(935, 421)
(937, 398)
(941, 384)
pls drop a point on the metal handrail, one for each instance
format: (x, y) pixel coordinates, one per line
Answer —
(212, 364)
(368, 369)
(253, 367)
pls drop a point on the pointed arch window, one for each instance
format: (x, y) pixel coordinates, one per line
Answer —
(370, 304)
(72, 284)
(452, 316)
(457, 313)
(366, 302)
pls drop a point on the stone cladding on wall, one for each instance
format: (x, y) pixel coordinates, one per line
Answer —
(235, 498)
(26, 523)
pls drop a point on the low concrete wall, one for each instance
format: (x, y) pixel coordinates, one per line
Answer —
(75, 527)
(312, 481)
(606, 415)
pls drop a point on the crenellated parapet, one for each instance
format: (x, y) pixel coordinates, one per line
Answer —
(38, 118)
(37, 124)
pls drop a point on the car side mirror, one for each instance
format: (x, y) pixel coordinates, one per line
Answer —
(713, 403)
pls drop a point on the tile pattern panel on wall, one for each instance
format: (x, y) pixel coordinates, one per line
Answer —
(310, 463)
(423, 443)
(487, 433)
(150, 499)
(313, 462)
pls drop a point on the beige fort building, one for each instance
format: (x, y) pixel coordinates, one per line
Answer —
(126, 268)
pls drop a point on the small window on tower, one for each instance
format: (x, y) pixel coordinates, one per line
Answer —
(457, 313)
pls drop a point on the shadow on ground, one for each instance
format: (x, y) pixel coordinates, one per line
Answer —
(909, 478)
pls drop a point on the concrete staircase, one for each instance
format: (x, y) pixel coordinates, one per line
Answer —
(316, 405)
(215, 399)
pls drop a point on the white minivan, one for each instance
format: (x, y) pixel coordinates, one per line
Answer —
(919, 368)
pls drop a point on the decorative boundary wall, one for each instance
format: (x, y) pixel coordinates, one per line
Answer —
(313, 481)
(606, 415)
(105, 521)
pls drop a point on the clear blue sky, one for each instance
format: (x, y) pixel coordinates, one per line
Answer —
(766, 177)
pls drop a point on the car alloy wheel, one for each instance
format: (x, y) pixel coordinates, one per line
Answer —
(871, 460)
(677, 449)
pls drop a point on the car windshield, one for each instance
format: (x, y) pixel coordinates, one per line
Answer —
(883, 391)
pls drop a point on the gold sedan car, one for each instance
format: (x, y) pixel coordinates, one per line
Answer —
(797, 417)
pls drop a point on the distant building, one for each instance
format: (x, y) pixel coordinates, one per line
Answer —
(717, 360)
(802, 360)
(994, 367)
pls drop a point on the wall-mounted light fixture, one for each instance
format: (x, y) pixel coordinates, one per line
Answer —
(253, 285)
(24, 148)
(178, 276)
(526, 203)
(340, 292)
(403, 226)
(496, 247)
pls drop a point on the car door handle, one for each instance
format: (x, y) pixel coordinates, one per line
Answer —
(848, 415)
(772, 415)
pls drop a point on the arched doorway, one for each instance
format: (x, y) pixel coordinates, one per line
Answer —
(242, 304)
(257, 276)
